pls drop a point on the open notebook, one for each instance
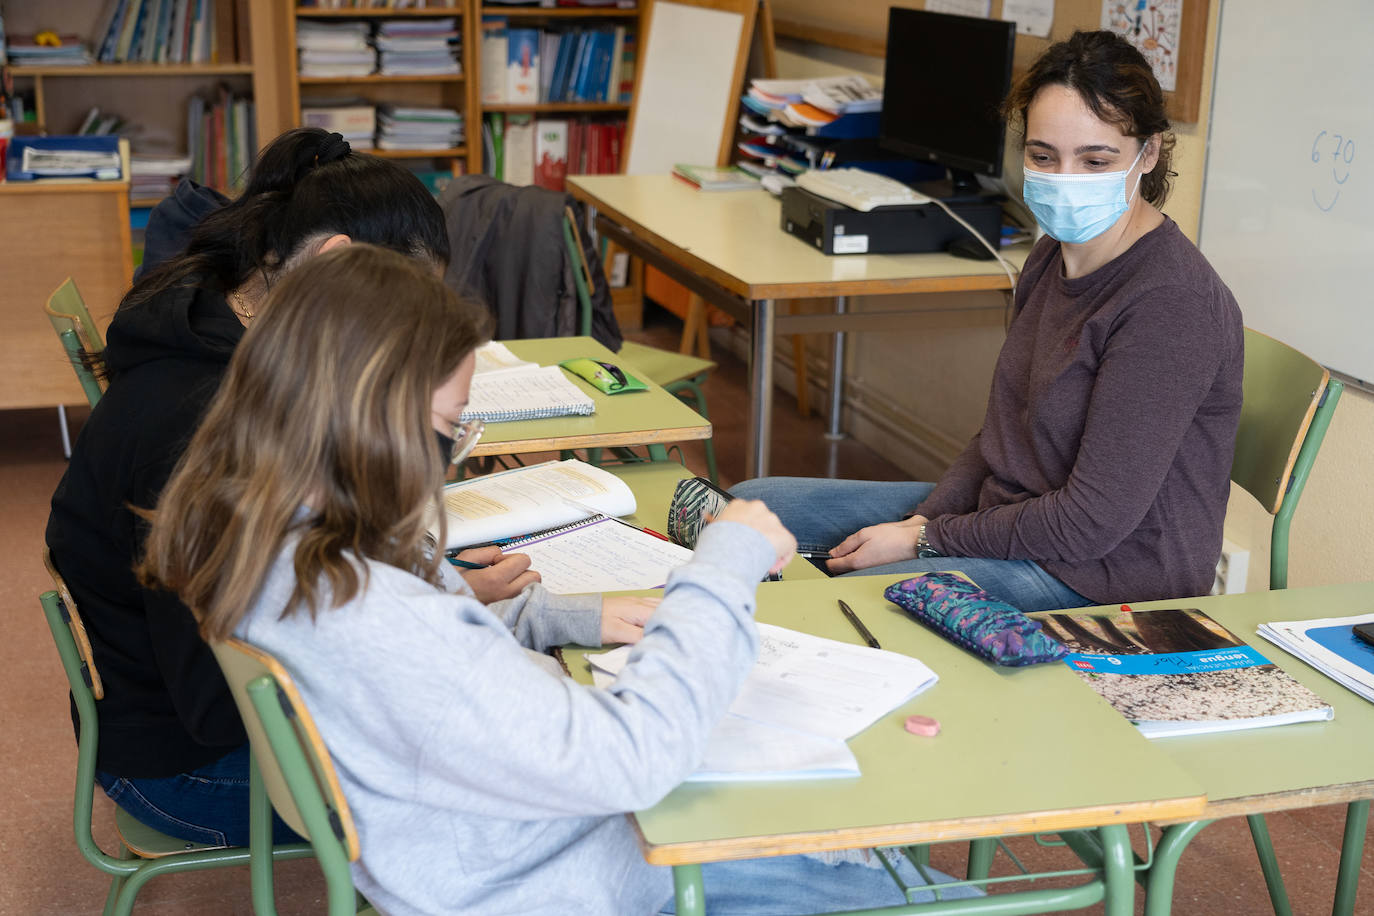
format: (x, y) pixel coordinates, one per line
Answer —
(599, 554)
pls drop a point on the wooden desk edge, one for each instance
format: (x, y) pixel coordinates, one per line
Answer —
(593, 440)
(807, 290)
(1174, 810)
(1279, 801)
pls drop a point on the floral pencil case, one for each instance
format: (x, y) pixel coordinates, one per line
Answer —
(968, 616)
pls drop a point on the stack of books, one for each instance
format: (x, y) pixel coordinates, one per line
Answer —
(419, 47)
(163, 32)
(354, 119)
(25, 52)
(335, 49)
(415, 127)
(154, 176)
(221, 139)
(529, 66)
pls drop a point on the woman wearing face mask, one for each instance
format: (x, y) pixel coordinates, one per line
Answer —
(1102, 468)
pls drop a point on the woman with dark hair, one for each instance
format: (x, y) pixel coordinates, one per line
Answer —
(1102, 468)
(482, 779)
(172, 749)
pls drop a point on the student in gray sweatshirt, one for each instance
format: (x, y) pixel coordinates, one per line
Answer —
(1102, 469)
(481, 779)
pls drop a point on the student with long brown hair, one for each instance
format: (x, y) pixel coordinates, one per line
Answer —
(481, 778)
(172, 749)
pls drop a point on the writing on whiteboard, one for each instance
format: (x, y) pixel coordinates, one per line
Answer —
(1339, 151)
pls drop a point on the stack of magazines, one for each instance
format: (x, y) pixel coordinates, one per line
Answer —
(335, 49)
(421, 47)
(1331, 646)
(415, 127)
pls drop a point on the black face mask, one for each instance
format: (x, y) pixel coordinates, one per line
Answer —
(446, 446)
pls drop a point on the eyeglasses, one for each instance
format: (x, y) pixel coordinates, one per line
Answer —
(465, 439)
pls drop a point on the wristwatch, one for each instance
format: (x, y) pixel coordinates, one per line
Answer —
(923, 548)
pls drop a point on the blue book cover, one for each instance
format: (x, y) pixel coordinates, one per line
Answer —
(585, 64)
(105, 144)
(522, 66)
(568, 49)
(601, 66)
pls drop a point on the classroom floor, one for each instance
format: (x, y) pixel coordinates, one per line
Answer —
(46, 876)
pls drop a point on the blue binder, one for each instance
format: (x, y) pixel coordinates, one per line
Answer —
(103, 144)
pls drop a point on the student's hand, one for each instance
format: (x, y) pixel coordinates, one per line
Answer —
(623, 618)
(890, 542)
(504, 576)
(756, 515)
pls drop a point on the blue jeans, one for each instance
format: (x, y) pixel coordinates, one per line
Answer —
(208, 805)
(798, 884)
(821, 513)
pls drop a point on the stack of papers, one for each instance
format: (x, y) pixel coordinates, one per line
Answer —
(805, 697)
(1329, 646)
(354, 119)
(154, 175)
(416, 127)
(419, 47)
(334, 49)
(24, 51)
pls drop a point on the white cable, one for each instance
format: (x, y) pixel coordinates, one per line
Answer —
(1011, 272)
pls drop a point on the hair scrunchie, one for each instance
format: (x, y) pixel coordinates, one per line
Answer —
(333, 148)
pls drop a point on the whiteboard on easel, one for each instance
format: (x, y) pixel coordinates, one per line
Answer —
(689, 80)
(1290, 176)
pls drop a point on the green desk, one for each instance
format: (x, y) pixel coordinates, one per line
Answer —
(653, 417)
(1022, 750)
(1275, 769)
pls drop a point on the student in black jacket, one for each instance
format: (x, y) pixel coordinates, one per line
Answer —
(172, 748)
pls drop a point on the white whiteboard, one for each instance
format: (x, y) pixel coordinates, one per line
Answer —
(686, 92)
(1288, 203)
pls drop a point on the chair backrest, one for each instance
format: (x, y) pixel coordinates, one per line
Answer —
(1288, 402)
(583, 278)
(295, 766)
(67, 312)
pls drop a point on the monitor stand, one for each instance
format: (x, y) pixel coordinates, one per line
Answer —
(960, 188)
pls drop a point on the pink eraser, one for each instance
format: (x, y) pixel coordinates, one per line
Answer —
(924, 726)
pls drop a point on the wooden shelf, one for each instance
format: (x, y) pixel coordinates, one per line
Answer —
(378, 78)
(136, 70)
(311, 12)
(449, 153)
(560, 106)
(539, 12)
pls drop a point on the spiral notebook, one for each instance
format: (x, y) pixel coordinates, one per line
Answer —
(599, 554)
(525, 394)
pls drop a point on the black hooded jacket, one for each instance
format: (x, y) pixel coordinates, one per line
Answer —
(169, 225)
(167, 709)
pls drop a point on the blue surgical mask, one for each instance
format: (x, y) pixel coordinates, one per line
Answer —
(1078, 208)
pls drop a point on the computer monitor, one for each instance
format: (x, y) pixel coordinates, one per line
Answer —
(944, 82)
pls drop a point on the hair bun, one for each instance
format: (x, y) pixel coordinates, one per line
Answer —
(332, 148)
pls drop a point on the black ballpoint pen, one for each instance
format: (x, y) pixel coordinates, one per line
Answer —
(858, 625)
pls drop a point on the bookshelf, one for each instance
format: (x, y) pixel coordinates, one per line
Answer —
(627, 299)
(444, 90)
(151, 97)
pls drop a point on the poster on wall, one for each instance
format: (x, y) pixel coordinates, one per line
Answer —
(1153, 26)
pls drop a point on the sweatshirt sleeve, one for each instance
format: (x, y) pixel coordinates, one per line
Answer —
(1156, 369)
(483, 729)
(539, 619)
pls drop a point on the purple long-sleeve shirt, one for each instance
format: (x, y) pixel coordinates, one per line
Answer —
(1105, 455)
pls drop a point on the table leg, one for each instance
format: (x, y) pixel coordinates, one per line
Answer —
(1118, 867)
(1352, 850)
(833, 430)
(1159, 887)
(761, 383)
(690, 893)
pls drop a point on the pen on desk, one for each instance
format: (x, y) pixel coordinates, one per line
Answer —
(858, 625)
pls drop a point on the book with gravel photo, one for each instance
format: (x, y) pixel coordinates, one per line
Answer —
(1177, 672)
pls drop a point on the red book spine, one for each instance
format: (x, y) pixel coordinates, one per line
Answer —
(617, 141)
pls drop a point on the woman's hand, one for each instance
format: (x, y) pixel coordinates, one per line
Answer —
(890, 542)
(623, 618)
(756, 515)
(503, 577)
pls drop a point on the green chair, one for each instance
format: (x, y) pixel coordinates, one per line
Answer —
(292, 762)
(678, 373)
(1288, 403)
(81, 340)
(144, 853)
